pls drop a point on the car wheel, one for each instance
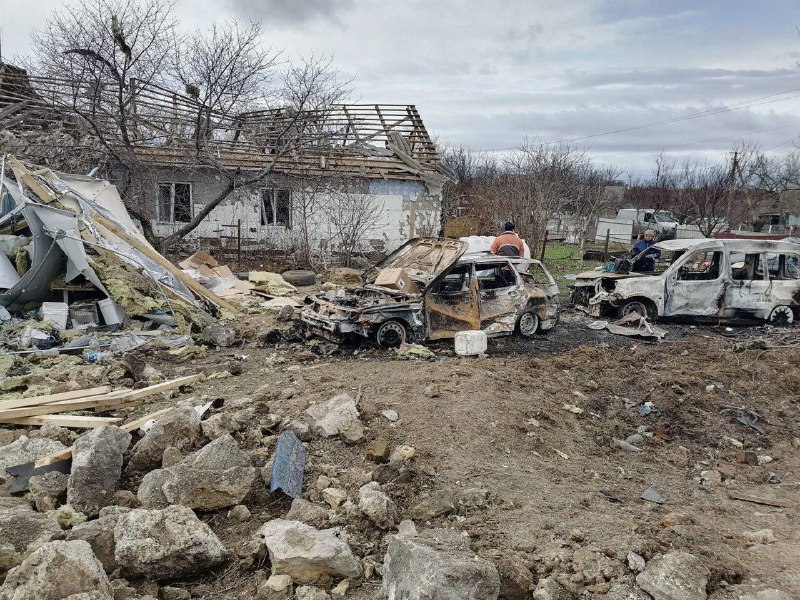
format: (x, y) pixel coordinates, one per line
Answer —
(528, 323)
(636, 306)
(300, 277)
(391, 334)
(782, 316)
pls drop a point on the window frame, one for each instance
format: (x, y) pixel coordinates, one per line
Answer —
(273, 222)
(498, 266)
(686, 260)
(172, 185)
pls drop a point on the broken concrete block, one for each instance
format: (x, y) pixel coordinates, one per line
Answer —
(334, 496)
(437, 564)
(179, 428)
(307, 554)
(378, 451)
(309, 592)
(516, 578)
(432, 507)
(96, 468)
(25, 450)
(677, 575)
(21, 532)
(218, 334)
(217, 476)
(48, 490)
(99, 534)
(165, 545)
(402, 454)
(58, 570)
(219, 425)
(378, 507)
(338, 416)
(308, 513)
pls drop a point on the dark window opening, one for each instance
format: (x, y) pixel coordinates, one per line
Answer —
(276, 208)
(174, 202)
(749, 267)
(457, 280)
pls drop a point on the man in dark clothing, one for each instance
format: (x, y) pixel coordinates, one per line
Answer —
(508, 243)
(647, 263)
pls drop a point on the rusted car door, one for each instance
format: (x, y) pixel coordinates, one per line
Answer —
(499, 296)
(695, 286)
(451, 304)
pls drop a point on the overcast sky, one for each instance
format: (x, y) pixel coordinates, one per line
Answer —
(486, 74)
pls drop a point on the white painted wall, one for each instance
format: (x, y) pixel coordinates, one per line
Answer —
(621, 230)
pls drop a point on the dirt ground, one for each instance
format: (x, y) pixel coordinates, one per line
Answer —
(533, 423)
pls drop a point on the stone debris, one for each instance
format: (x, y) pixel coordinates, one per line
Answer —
(338, 416)
(217, 476)
(308, 592)
(334, 496)
(308, 513)
(402, 454)
(762, 536)
(48, 490)
(437, 564)
(306, 554)
(516, 579)
(165, 545)
(99, 534)
(677, 575)
(22, 531)
(56, 571)
(179, 428)
(25, 450)
(390, 415)
(96, 468)
(218, 425)
(377, 506)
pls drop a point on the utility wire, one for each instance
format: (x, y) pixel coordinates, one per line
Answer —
(760, 101)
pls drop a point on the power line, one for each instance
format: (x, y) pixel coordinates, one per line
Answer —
(760, 101)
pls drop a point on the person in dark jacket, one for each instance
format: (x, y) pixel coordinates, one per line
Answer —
(646, 264)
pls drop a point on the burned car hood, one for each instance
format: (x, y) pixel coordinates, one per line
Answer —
(594, 275)
(422, 259)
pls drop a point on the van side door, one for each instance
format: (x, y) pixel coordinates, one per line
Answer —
(695, 285)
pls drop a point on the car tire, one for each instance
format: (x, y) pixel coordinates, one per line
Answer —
(528, 323)
(782, 316)
(391, 334)
(300, 277)
(640, 306)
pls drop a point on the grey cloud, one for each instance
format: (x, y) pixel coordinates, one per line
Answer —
(292, 12)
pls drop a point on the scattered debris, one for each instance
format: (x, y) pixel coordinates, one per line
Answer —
(652, 495)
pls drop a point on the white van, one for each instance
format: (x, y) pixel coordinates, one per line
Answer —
(663, 222)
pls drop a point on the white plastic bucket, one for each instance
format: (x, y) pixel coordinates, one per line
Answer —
(470, 343)
(113, 313)
(55, 313)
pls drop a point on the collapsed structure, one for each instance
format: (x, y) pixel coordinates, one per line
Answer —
(70, 236)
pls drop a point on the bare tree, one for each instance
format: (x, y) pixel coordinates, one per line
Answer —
(352, 216)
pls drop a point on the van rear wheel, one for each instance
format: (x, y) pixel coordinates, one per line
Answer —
(637, 306)
(782, 316)
(391, 334)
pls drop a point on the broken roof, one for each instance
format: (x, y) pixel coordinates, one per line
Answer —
(377, 141)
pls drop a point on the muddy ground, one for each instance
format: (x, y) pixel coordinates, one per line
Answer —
(533, 424)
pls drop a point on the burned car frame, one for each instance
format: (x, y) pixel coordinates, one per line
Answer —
(712, 280)
(430, 289)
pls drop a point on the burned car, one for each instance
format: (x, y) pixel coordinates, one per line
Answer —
(700, 279)
(430, 289)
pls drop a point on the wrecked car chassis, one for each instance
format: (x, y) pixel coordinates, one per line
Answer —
(448, 293)
(706, 280)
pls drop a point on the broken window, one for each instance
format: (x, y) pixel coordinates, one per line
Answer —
(537, 273)
(784, 266)
(276, 208)
(457, 280)
(494, 276)
(703, 265)
(747, 267)
(174, 202)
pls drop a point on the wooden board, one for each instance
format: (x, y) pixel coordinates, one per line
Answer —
(48, 398)
(65, 454)
(70, 421)
(757, 500)
(157, 258)
(21, 172)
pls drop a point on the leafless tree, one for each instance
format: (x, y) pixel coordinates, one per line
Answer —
(352, 216)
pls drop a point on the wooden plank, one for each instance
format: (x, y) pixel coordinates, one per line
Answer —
(48, 398)
(28, 179)
(757, 500)
(114, 399)
(72, 421)
(65, 454)
(157, 258)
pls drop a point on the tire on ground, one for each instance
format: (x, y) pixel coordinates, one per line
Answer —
(300, 277)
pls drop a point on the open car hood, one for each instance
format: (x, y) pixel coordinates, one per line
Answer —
(423, 259)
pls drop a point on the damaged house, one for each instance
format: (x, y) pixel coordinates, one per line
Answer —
(335, 178)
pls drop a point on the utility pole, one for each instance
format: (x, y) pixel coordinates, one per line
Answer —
(734, 166)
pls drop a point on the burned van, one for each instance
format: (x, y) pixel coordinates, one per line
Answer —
(699, 279)
(430, 289)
